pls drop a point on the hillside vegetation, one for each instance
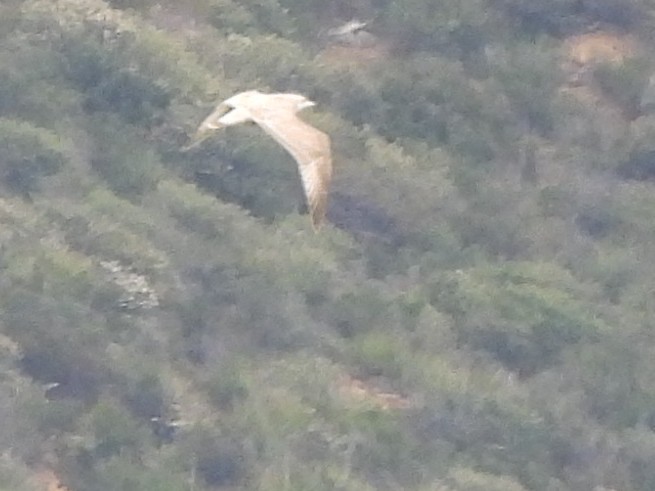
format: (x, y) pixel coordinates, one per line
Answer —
(478, 314)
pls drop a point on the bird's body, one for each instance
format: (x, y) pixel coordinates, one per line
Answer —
(276, 114)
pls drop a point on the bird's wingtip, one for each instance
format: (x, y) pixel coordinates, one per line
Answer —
(317, 223)
(195, 141)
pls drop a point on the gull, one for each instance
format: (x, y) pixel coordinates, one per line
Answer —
(352, 34)
(349, 28)
(276, 114)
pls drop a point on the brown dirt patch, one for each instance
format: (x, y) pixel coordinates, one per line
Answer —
(582, 53)
(360, 391)
(599, 47)
(47, 480)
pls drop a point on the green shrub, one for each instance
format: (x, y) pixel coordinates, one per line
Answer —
(52, 417)
(530, 77)
(469, 480)
(218, 460)
(625, 83)
(130, 167)
(448, 26)
(114, 430)
(355, 313)
(226, 388)
(15, 475)
(379, 353)
(521, 313)
(266, 16)
(145, 397)
(29, 154)
(125, 473)
(108, 85)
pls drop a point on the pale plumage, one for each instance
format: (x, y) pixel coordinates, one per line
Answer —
(276, 115)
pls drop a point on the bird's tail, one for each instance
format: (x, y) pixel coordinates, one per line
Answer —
(199, 137)
(210, 124)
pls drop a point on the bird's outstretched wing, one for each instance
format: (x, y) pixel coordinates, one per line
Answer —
(311, 150)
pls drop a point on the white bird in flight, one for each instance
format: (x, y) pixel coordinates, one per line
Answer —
(276, 114)
(349, 28)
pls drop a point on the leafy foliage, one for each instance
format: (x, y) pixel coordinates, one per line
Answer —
(29, 154)
(476, 316)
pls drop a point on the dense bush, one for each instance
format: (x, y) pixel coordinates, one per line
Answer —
(29, 154)
(625, 83)
(475, 315)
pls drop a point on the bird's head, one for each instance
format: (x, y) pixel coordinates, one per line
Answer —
(304, 103)
(299, 102)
